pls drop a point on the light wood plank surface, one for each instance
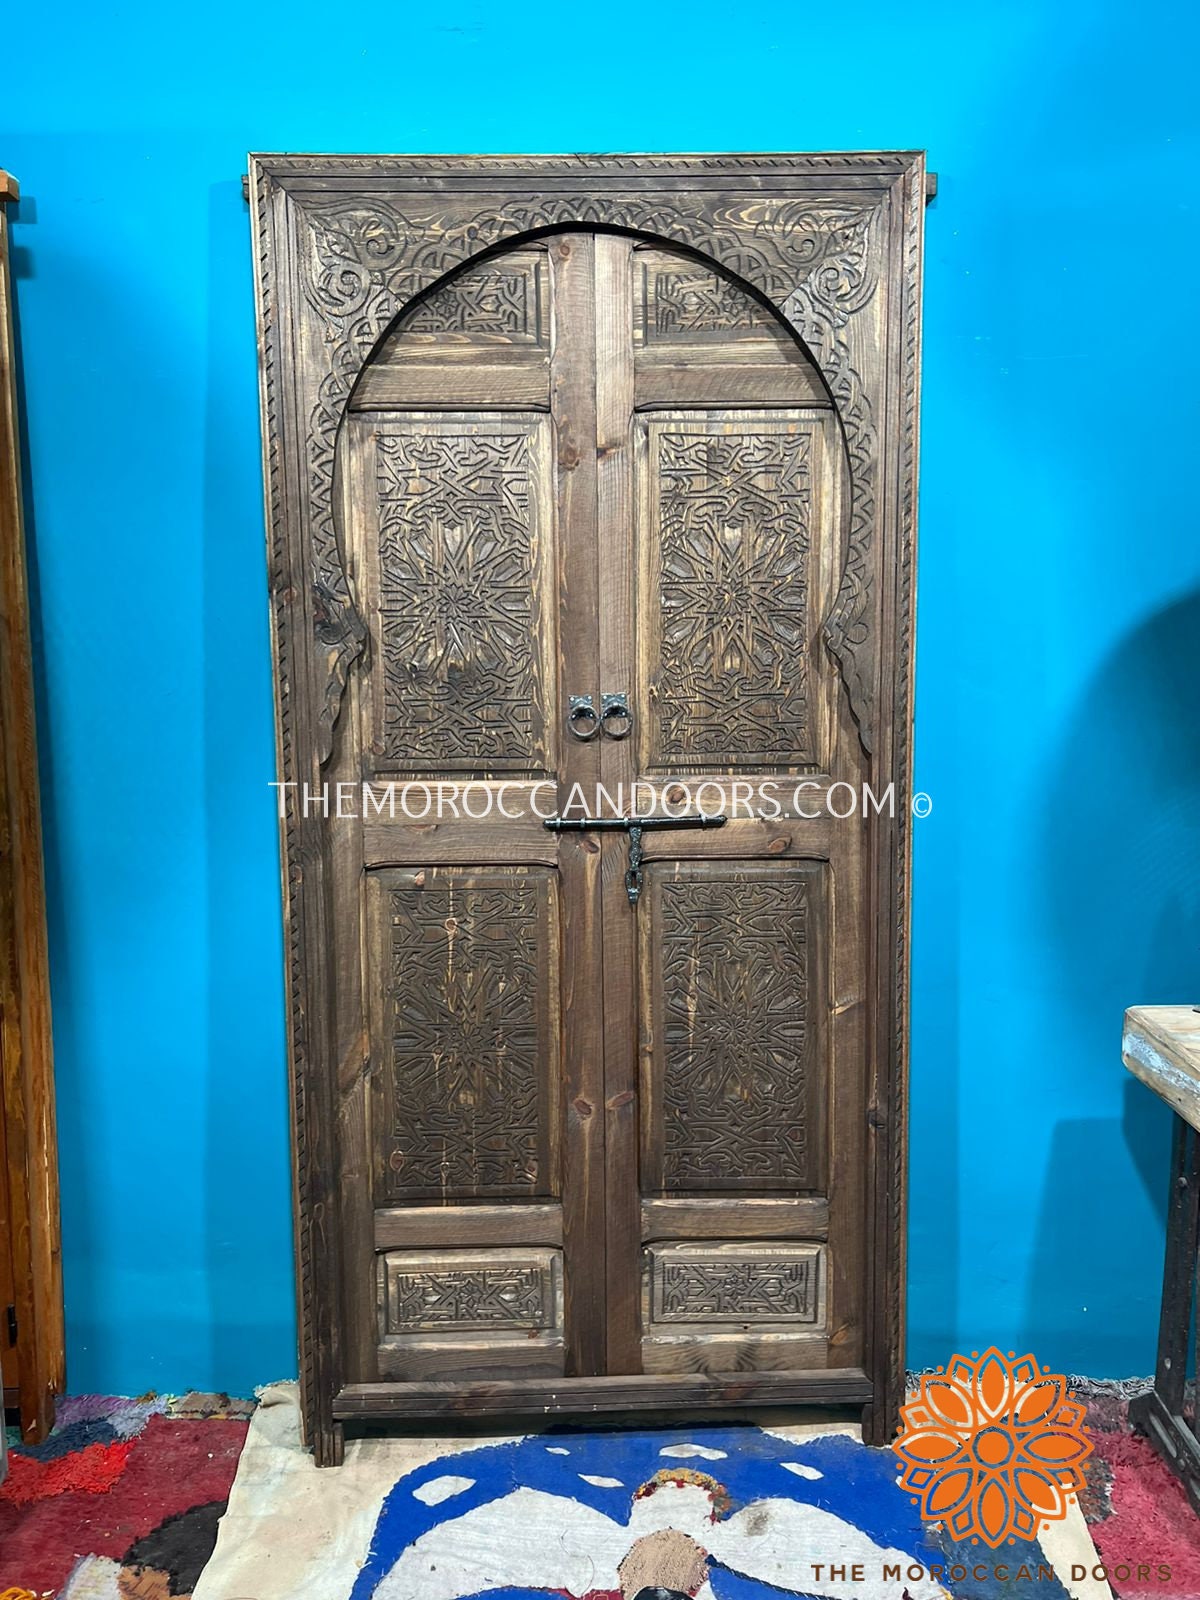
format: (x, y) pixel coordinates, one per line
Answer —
(1161, 1046)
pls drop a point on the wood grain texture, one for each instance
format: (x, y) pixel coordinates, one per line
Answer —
(496, 1311)
(1161, 1046)
(451, 1225)
(466, 1026)
(705, 1217)
(574, 410)
(802, 320)
(30, 1229)
(835, 1386)
(617, 626)
(733, 987)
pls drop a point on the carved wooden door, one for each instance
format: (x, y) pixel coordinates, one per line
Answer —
(587, 1118)
(591, 509)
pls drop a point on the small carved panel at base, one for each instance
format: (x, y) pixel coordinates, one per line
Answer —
(743, 1285)
(462, 1314)
(497, 1291)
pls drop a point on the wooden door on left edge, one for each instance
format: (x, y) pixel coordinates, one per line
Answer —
(471, 1113)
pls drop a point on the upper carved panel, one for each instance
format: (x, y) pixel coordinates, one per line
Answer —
(684, 302)
(726, 596)
(503, 301)
(459, 604)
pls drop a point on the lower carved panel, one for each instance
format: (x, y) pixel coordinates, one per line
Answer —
(466, 997)
(489, 1291)
(470, 1313)
(733, 990)
(743, 1285)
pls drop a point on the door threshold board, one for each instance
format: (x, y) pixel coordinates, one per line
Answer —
(621, 1392)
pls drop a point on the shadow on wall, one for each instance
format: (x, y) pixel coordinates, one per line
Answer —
(1121, 891)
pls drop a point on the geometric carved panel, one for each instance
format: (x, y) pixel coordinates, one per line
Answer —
(467, 998)
(486, 1291)
(726, 581)
(685, 302)
(503, 301)
(733, 994)
(750, 1285)
(464, 635)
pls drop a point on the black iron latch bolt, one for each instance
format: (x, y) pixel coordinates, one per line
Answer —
(635, 827)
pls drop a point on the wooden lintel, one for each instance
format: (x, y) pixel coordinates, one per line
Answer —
(931, 186)
(10, 189)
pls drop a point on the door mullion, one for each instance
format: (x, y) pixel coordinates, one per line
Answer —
(614, 526)
(573, 409)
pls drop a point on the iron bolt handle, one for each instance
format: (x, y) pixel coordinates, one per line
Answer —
(634, 827)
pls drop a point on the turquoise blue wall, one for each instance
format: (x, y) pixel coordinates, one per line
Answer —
(1059, 637)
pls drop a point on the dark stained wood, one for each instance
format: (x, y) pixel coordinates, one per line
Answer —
(703, 1217)
(617, 622)
(303, 730)
(30, 1243)
(663, 385)
(423, 388)
(670, 453)
(444, 1227)
(888, 742)
(586, 1396)
(574, 401)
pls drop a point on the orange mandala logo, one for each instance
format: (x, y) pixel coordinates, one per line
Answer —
(992, 1447)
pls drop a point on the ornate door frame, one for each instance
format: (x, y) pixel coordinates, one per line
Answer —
(343, 244)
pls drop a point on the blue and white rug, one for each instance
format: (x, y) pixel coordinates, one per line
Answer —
(738, 1512)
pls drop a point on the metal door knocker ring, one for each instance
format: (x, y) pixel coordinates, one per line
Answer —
(615, 716)
(583, 719)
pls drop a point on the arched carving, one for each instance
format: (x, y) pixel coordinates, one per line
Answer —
(361, 262)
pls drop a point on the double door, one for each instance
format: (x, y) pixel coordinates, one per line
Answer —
(596, 1116)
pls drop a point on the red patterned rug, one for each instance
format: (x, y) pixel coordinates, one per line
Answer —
(1141, 1521)
(123, 1497)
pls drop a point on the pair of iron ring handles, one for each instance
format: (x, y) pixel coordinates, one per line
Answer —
(614, 718)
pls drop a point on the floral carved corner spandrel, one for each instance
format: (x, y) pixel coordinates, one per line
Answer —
(361, 259)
